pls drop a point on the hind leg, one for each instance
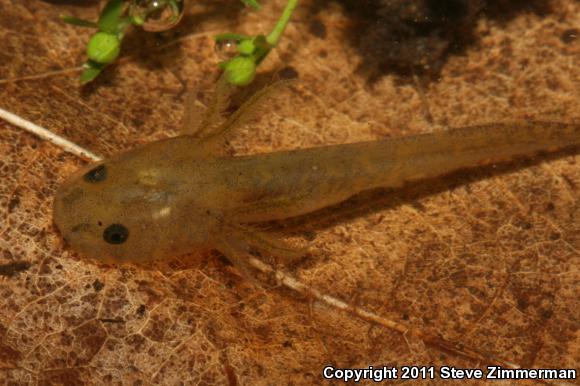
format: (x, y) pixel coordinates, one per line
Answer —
(240, 245)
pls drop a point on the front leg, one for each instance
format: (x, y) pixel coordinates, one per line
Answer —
(239, 244)
(211, 125)
(201, 122)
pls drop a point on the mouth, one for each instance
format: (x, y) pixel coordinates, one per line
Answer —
(82, 227)
(72, 226)
(59, 210)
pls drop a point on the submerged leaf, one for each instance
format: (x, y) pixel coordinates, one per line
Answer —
(91, 71)
(78, 22)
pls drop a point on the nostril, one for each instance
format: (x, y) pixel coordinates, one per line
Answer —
(72, 196)
(83, 227)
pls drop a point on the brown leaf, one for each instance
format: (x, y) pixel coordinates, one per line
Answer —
(487, 260)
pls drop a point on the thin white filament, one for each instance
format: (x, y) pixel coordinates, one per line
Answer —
(48, 135)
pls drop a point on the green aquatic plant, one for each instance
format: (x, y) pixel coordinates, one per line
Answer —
(158, 15)
(250, 51)
(117, 16)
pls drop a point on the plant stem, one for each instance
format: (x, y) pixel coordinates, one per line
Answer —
(278, 30)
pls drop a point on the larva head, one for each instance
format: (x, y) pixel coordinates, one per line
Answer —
(129, 208)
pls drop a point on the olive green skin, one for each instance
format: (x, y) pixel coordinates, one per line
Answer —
(173, 196)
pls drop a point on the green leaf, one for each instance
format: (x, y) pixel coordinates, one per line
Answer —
(239, 71)
(78, 22)
(262, 49)
(103, 47)
(231, 36)
(137, 20)
(246, 47)
(111, 16)
(252, 4)
(92, 70)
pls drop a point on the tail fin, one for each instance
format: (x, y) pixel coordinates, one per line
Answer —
(439, 153)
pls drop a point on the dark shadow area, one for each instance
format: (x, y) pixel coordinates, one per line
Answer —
(415, 37)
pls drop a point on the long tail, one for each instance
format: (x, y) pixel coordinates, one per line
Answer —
(431, 155)
(286, 184)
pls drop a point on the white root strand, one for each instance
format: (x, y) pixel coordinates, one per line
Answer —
(48, 135)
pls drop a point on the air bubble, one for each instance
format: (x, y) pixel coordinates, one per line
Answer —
(157, 15)
(226, 49)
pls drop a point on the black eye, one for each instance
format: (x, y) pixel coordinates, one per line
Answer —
(116, 234)
(97, 174)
